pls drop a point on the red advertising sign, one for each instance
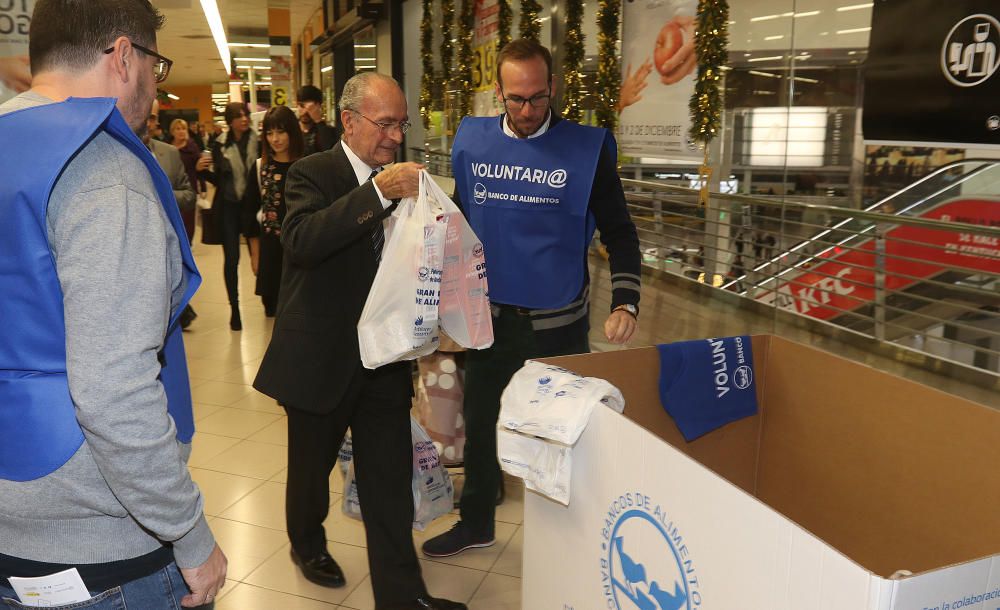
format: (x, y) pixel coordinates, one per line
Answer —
(844, 279)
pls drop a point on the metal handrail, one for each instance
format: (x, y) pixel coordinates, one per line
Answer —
(670, 216)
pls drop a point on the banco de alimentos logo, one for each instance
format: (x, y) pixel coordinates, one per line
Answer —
(645, 562)
(479, 193)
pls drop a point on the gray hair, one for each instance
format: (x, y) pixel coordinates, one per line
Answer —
(357, 87)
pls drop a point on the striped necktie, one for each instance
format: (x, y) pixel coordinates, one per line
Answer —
(378, 235)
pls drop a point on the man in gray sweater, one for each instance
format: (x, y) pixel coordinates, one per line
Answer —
(95, 411)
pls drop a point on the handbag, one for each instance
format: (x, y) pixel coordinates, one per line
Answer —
(210, 233)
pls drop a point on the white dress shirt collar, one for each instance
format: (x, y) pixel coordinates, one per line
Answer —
(541, 130)
(362, 170)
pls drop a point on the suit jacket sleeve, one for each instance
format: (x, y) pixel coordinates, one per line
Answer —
(322, 221)
(618, 234)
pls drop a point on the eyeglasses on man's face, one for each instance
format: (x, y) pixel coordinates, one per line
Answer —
(516, 102)
(402, 126)
(160, 69)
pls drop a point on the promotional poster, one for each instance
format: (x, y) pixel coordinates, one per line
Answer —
(485, 38)
(658, 72)
(934, 80)
(15, 18)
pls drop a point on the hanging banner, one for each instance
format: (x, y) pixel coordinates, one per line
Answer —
(658, 61)
(485, 38)
(15, 76)
(933, 79)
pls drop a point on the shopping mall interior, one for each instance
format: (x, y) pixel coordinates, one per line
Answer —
(807, 219)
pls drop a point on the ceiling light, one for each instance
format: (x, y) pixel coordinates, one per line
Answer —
(211, 10)
(854, 7)
(767, 74)
(326, 69)
(253, 67)
(258, 59)
(771, 58)
(770, 17)
(778, 37)
(172, 96)
(780, 15)
(854, 30)
(805, 80)
(371, 46)
(250, 45)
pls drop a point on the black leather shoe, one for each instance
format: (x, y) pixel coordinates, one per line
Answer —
(322, 570)
(426, 602)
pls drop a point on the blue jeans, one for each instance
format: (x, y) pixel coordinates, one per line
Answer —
(162, 589)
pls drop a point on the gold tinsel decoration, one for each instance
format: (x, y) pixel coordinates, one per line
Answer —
(462, 79)
(427, 59)
(572, 107)
(531, 25)
(505, 17)
(711, 40)
(609, 74)
(447, 19)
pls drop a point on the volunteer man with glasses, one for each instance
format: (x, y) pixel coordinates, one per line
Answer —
(96, 417)
(533, 186)
(333, 239)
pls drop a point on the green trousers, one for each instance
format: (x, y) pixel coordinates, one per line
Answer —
(487, 373)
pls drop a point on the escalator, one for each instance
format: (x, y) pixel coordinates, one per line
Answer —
(922, 274)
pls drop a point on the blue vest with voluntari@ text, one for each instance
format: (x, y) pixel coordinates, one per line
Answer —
(39, 431)
(528, 201)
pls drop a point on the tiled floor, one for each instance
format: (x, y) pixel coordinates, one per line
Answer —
(240, 464)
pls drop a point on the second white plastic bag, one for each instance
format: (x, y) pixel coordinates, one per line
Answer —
(433, 491)
(465, 304)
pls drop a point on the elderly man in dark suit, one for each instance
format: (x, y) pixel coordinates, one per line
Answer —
(333, 240)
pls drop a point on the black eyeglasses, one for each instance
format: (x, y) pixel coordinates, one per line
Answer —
(535, 101)
(402, 126)
(160, 69)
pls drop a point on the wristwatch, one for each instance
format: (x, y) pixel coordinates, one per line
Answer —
(629, 308)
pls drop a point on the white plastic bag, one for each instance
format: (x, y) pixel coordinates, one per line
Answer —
(551, 402)
(400, 318)
(465, 304)
(545, 466)
(433, 491)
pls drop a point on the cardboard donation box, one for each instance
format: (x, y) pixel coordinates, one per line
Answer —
(844, 477)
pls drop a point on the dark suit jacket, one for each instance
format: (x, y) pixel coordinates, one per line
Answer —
(328, 271)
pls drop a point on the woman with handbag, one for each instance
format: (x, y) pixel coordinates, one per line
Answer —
(281, 146)
(227, 168)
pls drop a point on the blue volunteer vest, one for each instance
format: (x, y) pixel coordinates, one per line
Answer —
(38, 426)
(528, 201)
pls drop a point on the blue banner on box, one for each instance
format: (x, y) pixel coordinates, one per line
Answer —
(708, 383)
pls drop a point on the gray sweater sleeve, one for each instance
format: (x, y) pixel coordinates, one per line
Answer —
(114, 261)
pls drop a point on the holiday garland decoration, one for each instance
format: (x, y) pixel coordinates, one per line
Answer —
(462, 79)
(447, 19)
(427, 60)
(572, 107)
(531, 25)
(504, 19)
(711, 40)
(608, 68)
